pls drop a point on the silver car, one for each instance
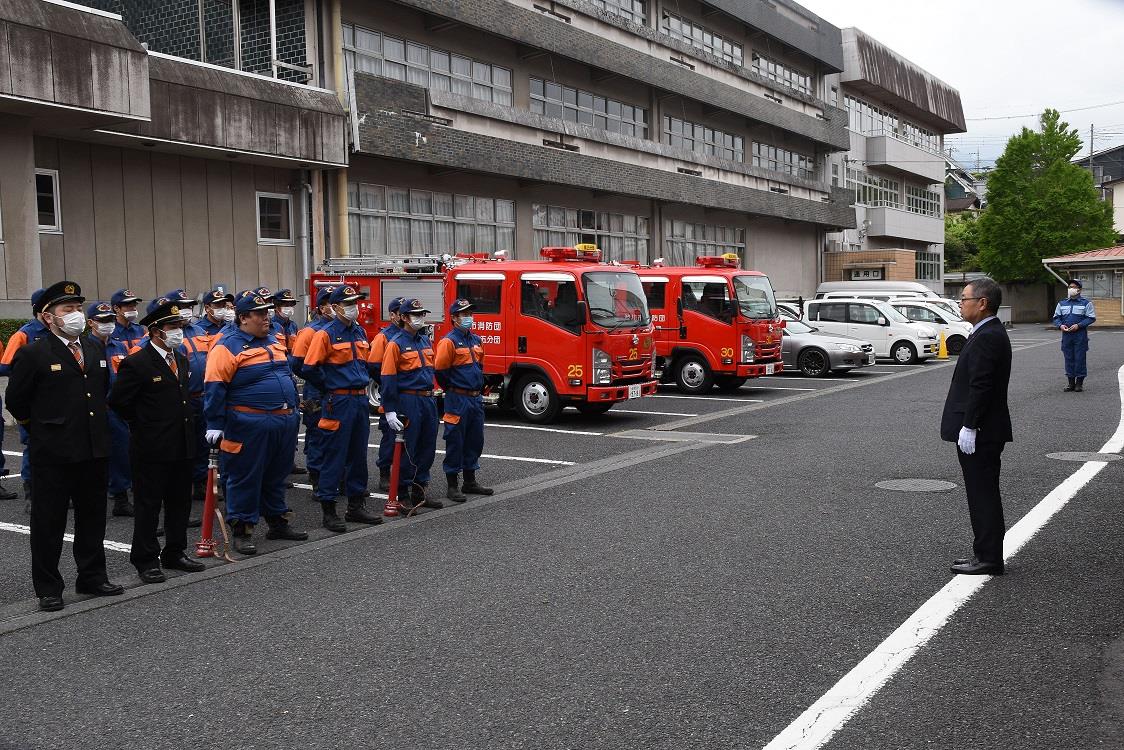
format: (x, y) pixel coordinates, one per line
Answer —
(816, 353)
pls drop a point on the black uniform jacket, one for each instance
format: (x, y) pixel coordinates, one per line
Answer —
(977, 397)
(156, 404)
(61, 404)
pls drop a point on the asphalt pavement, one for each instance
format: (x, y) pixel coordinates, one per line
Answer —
(696, 583)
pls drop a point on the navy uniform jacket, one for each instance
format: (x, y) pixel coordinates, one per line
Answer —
(157, 405)
(1077, 311)
(977, 396)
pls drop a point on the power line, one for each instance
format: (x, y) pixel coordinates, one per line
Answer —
(1037, 114)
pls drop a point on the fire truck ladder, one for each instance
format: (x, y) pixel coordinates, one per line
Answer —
(383, 264)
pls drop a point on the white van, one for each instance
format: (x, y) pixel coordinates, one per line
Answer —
(892, 334)
(885, 289)
(956, 330)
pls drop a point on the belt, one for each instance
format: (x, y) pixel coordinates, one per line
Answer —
(463, 392)
(252, 410)
(348, 391)
(196, 395)
(416, 393)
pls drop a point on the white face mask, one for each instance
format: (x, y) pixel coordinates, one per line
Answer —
(350, 312)
(130, 315)
(417, 322)
(72, 323)
(186, 313)
(226, 314)
(104, 329)
(173, 339)
(1074, 292)
(285, 312)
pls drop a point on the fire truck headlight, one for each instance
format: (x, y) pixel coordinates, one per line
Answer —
(749, 350)
(602, 368)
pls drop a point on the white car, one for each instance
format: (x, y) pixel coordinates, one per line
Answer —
(956, 330)
(892, 334)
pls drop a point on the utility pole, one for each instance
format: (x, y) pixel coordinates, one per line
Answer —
(1091, 172)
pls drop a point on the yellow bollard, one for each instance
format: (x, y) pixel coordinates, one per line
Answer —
(942, 351)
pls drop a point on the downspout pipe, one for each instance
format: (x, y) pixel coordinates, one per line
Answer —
(342, 243)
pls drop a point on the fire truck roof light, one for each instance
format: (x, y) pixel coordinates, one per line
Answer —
(729, 260)
(584, 251)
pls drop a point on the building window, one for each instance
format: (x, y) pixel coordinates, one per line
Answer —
(403, 60)
(684, 241)
(868, 119)
(47, 200)
(922, 201)
(782, 160)
(633, 10)
(704, 39)
(620, 236)
(781, 73)
(275, 219)
(574, 105)
(386, 220)
(874, 191)
(702, 139)
(835, 175)
(928, 266)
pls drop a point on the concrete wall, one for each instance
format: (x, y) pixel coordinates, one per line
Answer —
(1029, 303)
(788, 252)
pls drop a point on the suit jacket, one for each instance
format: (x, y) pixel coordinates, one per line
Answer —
(157, 405)
(977, 397)
(62, 405)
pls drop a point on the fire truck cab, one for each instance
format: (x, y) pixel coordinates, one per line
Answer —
(716, 324)
(564, 331)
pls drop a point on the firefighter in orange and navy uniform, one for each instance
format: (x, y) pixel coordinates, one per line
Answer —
(374, 358)
(32, 330)
(310, 399)
(459, 364)
(406, 387)
(336, 363)
(125, 337)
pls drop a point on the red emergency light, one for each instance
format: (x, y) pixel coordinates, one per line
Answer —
(584, 251)
(729, 260)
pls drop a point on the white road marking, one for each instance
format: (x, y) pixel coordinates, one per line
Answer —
(778, 388)
(713, 398)
(10, 476)
(813, 728)
(805, 377)
(308, 487)
(524, 459)
(653, 413)
(13, 453)
(19, 528)
(540, 429)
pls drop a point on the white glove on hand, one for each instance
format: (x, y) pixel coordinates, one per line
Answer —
(214, 436)
(967, 440)
(393, 422)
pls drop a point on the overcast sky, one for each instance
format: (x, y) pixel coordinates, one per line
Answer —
(1006, 57)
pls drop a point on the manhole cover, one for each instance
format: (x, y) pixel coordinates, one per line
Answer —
(1083, 456)
(916, 485)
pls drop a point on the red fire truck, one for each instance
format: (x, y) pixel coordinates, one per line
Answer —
(565, 331)
(716, 324)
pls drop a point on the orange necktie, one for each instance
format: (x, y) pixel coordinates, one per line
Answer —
(76, 350)
(172, 364)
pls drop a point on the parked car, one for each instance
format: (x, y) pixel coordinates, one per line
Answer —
(789, 310)
(956, 330)
(817, 353)
(892, 334)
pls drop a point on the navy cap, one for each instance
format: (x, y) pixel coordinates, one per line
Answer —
(412, 306)
(162, 310)
(345, 294)
(395, 304)
(217, 294)
(322, 295)
(251, 301)
(100, 311)
(123, 297)
(459, 306)
(264, 292)
(59, 292)
(1076, 282)
(180, 295)
(36, 298)
(284, 297)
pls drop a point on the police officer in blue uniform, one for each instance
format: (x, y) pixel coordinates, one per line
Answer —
(1073, 316)
(125, 337)
(459, 365)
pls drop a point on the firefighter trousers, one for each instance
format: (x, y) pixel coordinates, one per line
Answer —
(257, 456)
(420, 415)
(120, 471)
(1074, 347)
(199, 464)
(464, 432)
(345, 423)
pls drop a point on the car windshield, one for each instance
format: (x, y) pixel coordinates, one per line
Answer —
(891, 313)
(616, 299)
(795, 326)
(755, 297)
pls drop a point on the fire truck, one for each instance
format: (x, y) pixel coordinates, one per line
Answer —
(715, 323)
(567, 330)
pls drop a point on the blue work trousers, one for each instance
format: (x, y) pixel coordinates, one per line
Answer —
(420, 415)
(464, 432)
(1074, 346)
(345, 423)
(313, 440)
(120, 471)
(25, 463)
(257, 452)
(386, 445)
(199, 469)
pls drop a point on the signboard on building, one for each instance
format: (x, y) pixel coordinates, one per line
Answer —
(866, 274)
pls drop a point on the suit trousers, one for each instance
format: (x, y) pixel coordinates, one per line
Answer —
(156, 484)
(54, 487)
(981, 483)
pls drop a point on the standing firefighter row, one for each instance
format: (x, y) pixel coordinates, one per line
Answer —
(110, 402)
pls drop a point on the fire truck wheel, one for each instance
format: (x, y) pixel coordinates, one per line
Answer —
(693, 375)
(955, 344)
(592, 410)
(814, 363)
(373, 400)
(729, 384)
(535, 399)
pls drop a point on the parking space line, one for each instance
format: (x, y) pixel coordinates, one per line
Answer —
(805, 377)
(541, 429)
(308, 487)
(653, 413)
(778, 388)
(13, 453)
(711, 398)
(19, 528)
(525, 459)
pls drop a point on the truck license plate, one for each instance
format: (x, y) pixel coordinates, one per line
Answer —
(634, 391)
(770, 369)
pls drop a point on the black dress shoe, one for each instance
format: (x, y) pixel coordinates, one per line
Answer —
(975, 567)
(50, 603)
(184, 563)
(7, 494)
(152, 575)
(105, 588)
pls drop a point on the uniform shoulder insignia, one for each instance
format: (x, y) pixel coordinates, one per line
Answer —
(245, 346)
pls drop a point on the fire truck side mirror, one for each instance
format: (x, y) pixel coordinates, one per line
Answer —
(583, 312)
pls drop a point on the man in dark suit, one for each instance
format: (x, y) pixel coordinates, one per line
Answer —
(57, 390)
(976, 417)
(152, 395)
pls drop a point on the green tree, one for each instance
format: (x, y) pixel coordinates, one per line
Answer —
(961, 242)
(1040, 204)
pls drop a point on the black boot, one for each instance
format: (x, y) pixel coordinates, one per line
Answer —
(279, 528)
(314, 479)
(1080, 386)
(121, 504)
(453, 493)
(7, 494)
(384, 480)
(357, 511)
(1072, 385)
(472, 487)
(418, 498)
(332, 522)
(241, 533)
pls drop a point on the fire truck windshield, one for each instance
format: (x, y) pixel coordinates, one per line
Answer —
(616, 299)
(755, 297)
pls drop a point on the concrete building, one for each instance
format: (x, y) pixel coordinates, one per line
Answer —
(897, 117)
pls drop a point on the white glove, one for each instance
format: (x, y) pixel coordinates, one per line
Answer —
(967, 440)
(393, 422)
(214, 436)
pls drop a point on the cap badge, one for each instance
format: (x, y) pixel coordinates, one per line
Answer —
(219, 290)
(69, 289)
(259, 301)
(175, 310)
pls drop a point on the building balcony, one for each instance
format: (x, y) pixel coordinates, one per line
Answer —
(892, 154)
(887, 221)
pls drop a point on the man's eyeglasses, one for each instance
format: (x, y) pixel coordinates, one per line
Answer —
(965, 299)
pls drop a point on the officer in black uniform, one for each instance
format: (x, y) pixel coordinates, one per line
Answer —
(57, 390)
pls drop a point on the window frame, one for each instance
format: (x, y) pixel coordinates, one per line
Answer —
(55, 228)
(258, 195)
